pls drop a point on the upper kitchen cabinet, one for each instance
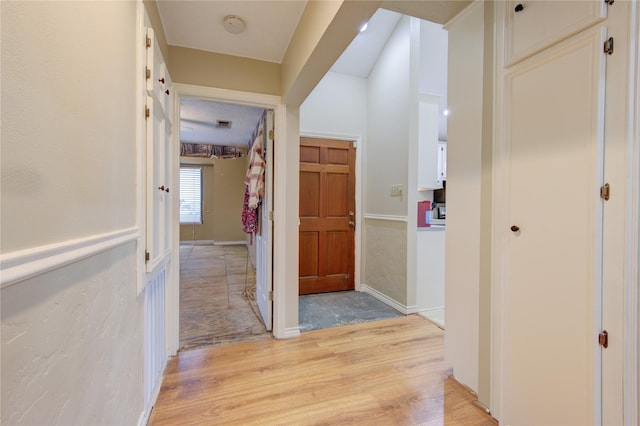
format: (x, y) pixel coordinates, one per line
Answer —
(428, 170)
(442, 162)
(532, 26)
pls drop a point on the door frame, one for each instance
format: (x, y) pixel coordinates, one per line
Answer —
(357, 237)
(173, 282)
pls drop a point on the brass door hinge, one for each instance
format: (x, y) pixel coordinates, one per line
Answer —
(148, 42)
(271, 215)
(147, 73)
(271, 296)
(147, 257)
(147, 112)
(271, 134)
(603, 339)
(605, 192)
(608, 46)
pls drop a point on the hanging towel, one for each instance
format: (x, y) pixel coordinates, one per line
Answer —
(255, 175)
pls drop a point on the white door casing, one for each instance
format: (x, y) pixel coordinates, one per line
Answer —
(264, 242)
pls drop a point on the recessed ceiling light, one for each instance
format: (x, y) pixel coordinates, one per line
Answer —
(234, 24)
(364, 26)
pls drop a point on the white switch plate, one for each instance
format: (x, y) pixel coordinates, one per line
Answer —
(396, 190)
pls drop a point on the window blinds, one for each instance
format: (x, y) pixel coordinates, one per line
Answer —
(190, 195)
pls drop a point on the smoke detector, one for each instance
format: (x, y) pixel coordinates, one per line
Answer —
(234, 24)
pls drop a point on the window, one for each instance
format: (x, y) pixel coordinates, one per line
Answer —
(190, 195)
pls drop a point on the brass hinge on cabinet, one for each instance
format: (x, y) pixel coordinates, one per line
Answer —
(147, 73)
(147, 112)
(605, 192)
(608, 46)
(146, 256)
(148, 42)
(603, 339)
(271, 134)
(271, 215)
(271, 296)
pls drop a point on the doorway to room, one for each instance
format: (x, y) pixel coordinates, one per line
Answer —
(224, 188)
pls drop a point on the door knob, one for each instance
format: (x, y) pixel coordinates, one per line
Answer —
(515, 228)
(352, 223)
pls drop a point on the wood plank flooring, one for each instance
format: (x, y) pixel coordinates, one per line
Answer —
(388, 372)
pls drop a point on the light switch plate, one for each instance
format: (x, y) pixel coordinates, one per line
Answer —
(396, 190)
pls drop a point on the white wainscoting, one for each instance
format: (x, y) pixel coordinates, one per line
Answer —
(19, 265)
(155, 348)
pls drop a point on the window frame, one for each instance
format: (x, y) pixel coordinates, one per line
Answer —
(201, 184)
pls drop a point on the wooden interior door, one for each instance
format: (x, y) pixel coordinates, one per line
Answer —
(327, 215)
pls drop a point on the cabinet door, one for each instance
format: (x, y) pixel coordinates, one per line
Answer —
(554, 105)
(442, 162)
(158, 135)
(428, 143)
(535, 25)
(157, 78)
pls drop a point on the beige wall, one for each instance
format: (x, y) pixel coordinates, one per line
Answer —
(71, 339)
(191, 66)
(223, 192)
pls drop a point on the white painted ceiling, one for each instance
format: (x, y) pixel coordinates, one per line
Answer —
(269, 27)
(198, 120)
(198, 25)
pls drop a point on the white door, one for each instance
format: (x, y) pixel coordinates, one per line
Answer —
(552, 293)
(264, 243)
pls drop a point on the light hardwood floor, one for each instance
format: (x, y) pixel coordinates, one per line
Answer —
(388, 372)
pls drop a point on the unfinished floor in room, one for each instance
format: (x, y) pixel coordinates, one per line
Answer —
(388, 372)
(213, 306)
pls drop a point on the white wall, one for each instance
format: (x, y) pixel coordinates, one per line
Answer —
(388, 125)
(464, 174)
(71, 337)
(338, 105)
(387, 157)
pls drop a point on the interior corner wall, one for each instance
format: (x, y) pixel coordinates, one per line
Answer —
(71, 338)
(385, 165)
(464, 178)
(222, 198)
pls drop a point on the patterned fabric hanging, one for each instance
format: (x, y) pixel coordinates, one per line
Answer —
(249, 217)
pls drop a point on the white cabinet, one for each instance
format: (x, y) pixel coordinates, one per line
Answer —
(428, 173)
(159, 187)
(532, 26)
(442, 162)
(553, 130)
(158, 82)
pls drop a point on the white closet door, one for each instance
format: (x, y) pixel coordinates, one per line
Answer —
(552, 293)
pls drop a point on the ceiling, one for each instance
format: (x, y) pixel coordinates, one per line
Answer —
(269, 27)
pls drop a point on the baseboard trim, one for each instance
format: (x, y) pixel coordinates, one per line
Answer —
(21, 265)
(290, 333)
(212, 243)
(386, 299)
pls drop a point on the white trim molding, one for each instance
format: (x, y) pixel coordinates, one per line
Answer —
(406, 310)
(290, 333)
(21, 265)
(392, 218)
